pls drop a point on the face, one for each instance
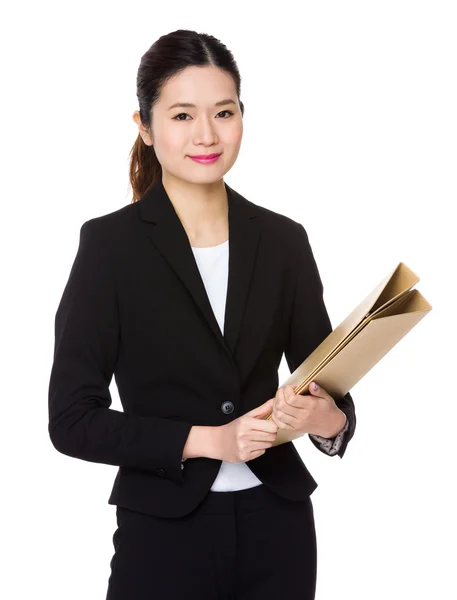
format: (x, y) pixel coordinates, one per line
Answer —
(206, 128)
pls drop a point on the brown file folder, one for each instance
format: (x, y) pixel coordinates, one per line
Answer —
(361, 340)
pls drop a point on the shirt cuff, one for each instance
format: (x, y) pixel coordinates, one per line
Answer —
(331, 445)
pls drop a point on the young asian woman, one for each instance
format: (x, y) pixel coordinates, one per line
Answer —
(190, 295)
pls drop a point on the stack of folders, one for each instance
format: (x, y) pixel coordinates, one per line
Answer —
(361, 340)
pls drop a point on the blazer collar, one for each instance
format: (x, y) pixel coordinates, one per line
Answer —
(167, 233)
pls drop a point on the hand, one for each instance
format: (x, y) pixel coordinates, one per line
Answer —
(246, 437)
(315, 413)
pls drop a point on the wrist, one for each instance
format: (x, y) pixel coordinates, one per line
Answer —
(201, 442)
(338, 424)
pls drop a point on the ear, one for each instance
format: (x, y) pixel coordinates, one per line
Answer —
(143, 131)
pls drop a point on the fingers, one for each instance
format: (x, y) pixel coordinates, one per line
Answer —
(262, 436)
(263, 425)
(317, 390)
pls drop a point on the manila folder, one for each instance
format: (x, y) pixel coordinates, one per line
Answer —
(367, 334)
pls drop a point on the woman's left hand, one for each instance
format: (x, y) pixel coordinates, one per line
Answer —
(316, 413)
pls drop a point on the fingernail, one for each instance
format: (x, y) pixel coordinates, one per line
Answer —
(315, 386)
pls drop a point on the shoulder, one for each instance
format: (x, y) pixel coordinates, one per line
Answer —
(278, 226)
(112, 222)
(106, 232)
(102, 238)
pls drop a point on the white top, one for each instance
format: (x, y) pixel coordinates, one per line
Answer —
(213, 266)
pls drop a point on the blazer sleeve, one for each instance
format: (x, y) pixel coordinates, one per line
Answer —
(87, 335)
(309, 325)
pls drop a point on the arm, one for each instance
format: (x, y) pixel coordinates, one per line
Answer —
(87, 329)
(309, 326)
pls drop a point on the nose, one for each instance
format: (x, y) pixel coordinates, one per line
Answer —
(204, 131)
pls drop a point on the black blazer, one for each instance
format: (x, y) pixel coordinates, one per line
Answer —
(135, 306)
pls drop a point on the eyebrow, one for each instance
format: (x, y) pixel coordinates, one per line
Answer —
(190, 105)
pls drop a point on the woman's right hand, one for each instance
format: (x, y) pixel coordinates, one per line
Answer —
(248, 436)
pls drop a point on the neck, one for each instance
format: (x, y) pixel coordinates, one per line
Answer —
(202, 208)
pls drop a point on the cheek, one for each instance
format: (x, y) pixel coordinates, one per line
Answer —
(168, 150)
(235, 136)
(171, 142)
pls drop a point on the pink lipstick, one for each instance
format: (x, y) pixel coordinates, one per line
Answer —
(205, 158)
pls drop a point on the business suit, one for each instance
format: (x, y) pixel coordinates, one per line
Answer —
(135, 306)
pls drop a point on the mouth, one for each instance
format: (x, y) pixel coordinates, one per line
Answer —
(205, 158)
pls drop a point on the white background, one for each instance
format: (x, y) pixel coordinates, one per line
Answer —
(350, 128)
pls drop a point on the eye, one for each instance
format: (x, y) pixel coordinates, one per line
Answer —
(180, 114)
(186, 114)
(226, 111)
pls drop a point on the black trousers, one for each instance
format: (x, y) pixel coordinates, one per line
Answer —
(240, 545)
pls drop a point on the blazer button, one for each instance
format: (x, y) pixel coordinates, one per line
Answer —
(227, 407)
(161, 472)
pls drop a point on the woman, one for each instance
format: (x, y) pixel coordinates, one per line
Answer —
(190, 295)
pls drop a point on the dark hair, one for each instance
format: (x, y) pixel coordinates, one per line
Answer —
(169, 55)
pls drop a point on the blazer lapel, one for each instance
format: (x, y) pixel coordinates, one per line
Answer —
(165, 230)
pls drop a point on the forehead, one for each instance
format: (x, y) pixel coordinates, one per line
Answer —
(199, 85)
